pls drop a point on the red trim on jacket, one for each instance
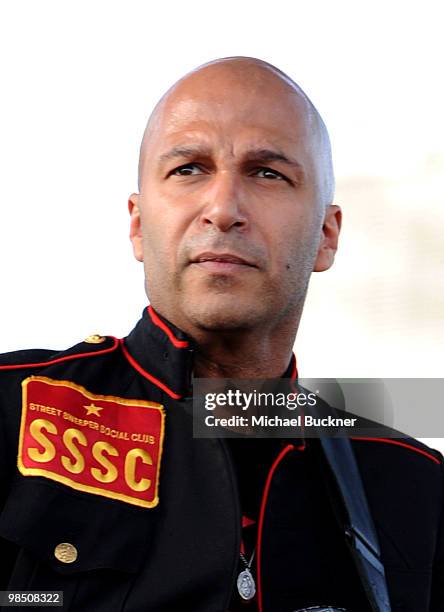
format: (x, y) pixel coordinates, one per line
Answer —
(157, 321)
(146, 374)
(60, 359)
(294, 372)
(302, 446)
(246, 522)
(271, 472)
(293, 378)
(398, 443)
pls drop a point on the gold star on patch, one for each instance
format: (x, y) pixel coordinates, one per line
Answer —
(92, 409)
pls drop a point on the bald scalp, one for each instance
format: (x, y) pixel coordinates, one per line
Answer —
(256, 73)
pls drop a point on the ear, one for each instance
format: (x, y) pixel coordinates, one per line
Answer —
(135, 226)
(329, 238)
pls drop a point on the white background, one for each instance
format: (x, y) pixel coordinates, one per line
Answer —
(78, 81)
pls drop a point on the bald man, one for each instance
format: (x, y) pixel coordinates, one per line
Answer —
(108, 497)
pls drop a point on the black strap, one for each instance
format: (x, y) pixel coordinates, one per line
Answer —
(359, 529)
(358, 525)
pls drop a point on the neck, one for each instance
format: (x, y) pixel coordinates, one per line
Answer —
(243, 353)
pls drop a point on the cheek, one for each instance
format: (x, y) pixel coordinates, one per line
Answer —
(163, 236)
(158, 251)
(295, 246)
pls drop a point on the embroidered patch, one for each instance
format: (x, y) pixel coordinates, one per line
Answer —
(99, 444)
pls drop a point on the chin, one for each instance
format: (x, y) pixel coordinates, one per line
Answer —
(226, 315)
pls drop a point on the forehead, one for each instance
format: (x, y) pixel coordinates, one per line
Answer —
(227, 107)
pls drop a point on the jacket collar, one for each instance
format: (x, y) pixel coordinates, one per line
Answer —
(164, 354)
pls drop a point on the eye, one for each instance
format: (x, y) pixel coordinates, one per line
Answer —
(187, 170)
(268, 173)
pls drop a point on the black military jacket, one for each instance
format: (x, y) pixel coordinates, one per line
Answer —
(106, 496)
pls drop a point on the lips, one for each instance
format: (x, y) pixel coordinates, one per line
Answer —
(223, 258)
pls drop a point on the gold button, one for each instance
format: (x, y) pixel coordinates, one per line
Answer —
(95, 339)
(65, 552)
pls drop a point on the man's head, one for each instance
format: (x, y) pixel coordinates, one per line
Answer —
(234, 210)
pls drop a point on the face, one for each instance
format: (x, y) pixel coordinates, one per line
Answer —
(228, 221)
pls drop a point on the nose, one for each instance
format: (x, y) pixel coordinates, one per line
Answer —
(224, 203)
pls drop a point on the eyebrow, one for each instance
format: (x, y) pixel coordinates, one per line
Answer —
(183, 151)
(256, 155)
(267, 155)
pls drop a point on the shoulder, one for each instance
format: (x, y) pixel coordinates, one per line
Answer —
(17, 366)
(87, 358)
(21, 361)
(384, 447)
(402, 471)
(21, 358)
(400, 450)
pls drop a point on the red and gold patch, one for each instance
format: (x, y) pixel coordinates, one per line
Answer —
(99, 444)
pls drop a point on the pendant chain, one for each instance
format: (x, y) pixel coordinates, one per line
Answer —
(244, 559)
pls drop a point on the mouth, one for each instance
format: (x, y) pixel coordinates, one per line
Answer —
(221, 262)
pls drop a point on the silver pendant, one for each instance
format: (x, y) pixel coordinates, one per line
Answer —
(246, 585)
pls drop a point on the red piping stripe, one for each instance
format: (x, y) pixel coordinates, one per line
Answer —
(155, 319)
(294, 373)
(147, 375)
(246, 522)
(303, 444)
(276, 462)
(397, 443)
(60, 359)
